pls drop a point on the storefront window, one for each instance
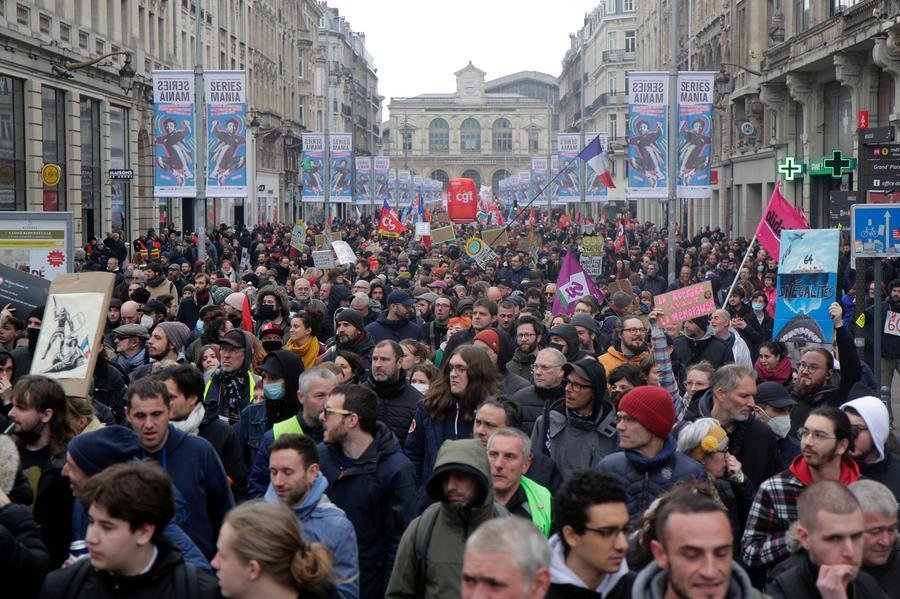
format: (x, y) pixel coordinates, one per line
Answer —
(120, 189)
(91, 199)
(12, 144)
(53, 118)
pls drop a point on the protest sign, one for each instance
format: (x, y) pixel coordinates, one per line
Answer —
(807, 285)
(24, 291)
(592, 256)
(423, 229)
(443, 234)
(323, 242)
(685, 303)
(343, 251)
(374, 248)
(323, 259)
(891, 323)
(496, 237)
(298, 236)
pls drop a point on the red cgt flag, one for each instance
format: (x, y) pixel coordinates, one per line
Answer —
(389, 225)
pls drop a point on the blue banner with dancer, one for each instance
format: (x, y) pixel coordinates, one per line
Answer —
(807, 285)
(364, 180)
(174, 147)
(381, 189)
(567, 147)
(341, 167)
(695, 108)
(647, 135)
(226, 142)
(312, 166)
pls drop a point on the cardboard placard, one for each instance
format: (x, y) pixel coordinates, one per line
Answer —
(343, 252)
(323, 259)
(423, 229)
(620, 285)
(685, 303)
(298, 236)
(439, 217)
(892, 323)
(374, 248)
(592, 255)
(72, 331)
(443, 234)
(496, 237)
(322, 242)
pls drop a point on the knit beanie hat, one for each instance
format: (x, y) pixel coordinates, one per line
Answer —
(176, 332)
(874, 413)
(702, 322)
(715, 439)
(652, 407)
(236, 300)
(490, 338)
(353, 317)
(95, 451)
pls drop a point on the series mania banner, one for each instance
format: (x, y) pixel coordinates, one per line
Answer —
(174, 146)
(647, 135)
(695, 108)
(226, 107)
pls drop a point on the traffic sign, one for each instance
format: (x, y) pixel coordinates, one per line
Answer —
(790, 168)
(876, 231)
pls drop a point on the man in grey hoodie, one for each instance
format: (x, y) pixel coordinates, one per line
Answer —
(692, 554)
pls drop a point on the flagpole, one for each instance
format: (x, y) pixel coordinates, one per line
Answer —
(531, 201)
(738, 271)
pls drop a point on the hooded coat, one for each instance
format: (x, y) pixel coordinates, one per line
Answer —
(213, 392)
(284, 308)
(321, 521)
(576, 442)
(652, 581)
(257, 418)
(886, 469)
(522, 364)
(378, 494)
(453, 525)
(200, 479)
(573, 345)
(397, 403)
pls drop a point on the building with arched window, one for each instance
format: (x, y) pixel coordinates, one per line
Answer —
(485, 130)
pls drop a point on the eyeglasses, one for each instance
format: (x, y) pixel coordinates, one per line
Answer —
(460, 368)
(633, 330)
(328, 411)
(809, 367)
(610, 532)
(816, 435)
(525, 335)
(576, 386)
(857, 430)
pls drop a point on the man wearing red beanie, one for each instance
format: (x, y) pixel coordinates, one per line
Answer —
(648, 466)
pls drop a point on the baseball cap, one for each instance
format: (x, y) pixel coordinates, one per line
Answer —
(234, 338)
(400, 297)
(774, 394)
(153, 306)
(429, 297)
(271, 327)
(272, 366)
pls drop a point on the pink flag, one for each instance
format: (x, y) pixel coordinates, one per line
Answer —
(572, 285)
(779, 215)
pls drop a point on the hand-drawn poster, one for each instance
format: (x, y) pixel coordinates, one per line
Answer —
(72, 331)
(686, 303)
(807, 284)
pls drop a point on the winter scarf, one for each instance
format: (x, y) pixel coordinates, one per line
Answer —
(191, 424)
(307, 351)
(780, 374)
(232, 385)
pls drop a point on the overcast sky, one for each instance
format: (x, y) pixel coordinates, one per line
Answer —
(418, 44)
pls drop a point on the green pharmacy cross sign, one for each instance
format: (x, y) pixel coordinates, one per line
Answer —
(837, 164)
(790, 168)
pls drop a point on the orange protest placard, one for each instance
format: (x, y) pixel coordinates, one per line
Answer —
(685, 303)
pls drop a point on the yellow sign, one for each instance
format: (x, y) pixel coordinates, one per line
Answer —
(50, 174)
(861, 320)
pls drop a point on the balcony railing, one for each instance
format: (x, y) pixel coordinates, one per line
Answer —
(620, 55)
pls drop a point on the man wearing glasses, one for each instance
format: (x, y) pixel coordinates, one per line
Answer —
(632, 346)
(528, 331)
(588, 553)
(826, 442)
(582, 433)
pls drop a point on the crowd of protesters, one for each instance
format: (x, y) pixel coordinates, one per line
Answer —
(417, 425)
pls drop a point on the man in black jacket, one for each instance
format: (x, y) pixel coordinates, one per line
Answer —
(397, 399)
(698, 343)
(131, 504)
(547, 389)
(190, 415)
(831, 530)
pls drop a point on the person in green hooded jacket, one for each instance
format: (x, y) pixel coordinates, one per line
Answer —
(430, 556)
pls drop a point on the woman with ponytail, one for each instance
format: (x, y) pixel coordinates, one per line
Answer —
(261, 553)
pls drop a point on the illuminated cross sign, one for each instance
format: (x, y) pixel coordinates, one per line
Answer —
(790, 168)
(837, 164)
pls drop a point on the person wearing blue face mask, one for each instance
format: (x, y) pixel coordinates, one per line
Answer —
(280, 371)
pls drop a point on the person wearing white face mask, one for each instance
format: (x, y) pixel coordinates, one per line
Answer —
(773, 406)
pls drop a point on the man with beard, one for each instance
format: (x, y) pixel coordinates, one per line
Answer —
(350, 334)
(528, 336)
(436, 330)
(547, 390)
(507, 312)
(826, 438)
(157, 283)
(189, 308)
(588, 333)
(699, 344)
(813, 387)
(397, 399)
(632, 346)
(830, 529)
(298, 484)
(752, 446)
(396, 323)
(871, 431)
(371, 480)
(166, 344)
(484, 313)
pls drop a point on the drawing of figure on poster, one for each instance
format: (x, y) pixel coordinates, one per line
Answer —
(64, 348)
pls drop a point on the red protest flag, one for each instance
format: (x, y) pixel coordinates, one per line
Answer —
(779, 215)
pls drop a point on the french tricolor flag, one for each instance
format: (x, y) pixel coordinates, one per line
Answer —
(597, 158)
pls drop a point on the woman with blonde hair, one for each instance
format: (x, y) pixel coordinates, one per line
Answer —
(261, 553)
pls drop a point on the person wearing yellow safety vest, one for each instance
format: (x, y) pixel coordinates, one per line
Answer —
(509, 455)
(231, 386)
(313, 388)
